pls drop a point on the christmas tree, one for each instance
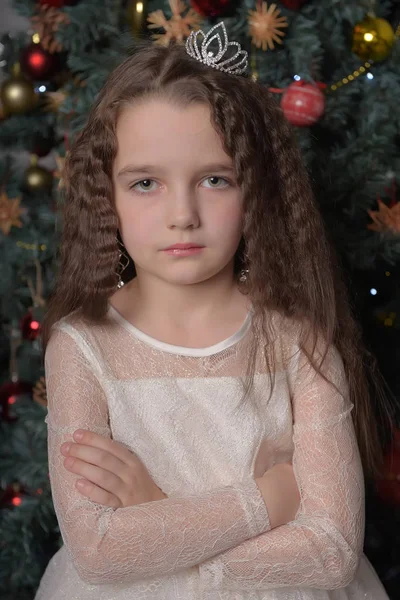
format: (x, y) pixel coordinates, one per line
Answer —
(332, 65)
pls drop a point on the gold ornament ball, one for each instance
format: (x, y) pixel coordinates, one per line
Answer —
(37, 179)
(373, 39)
(137, 14)
(3, 114)
(18, 95)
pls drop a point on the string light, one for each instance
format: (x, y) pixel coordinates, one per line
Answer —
(26, 246)
(360, 71)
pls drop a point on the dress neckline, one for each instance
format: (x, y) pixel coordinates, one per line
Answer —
(182, 350)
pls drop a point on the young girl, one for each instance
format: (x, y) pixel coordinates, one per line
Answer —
(200, 337)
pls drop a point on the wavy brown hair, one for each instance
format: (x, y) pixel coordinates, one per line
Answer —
(293, 268)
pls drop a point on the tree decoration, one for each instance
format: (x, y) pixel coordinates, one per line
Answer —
(178, 27)
(373, 39)
(214, 8)
(58, 3)
(54, 100)
(10, 390)
(137, 12)
(37, 178)
(30, 323)
(293, 4)
(46, 23)
(11, 495)
(30, 326)
(387, 217)
(39, 392)
(17, 93)
(362, 70)
(303, 103)
(265, 26)
(36, 291)
(3, 114)
(10, 212)
(58, 173)
(37, 63)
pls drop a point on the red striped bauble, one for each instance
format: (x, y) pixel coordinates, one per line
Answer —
(303, 103)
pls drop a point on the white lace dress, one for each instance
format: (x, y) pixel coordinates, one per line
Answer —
(210, 539)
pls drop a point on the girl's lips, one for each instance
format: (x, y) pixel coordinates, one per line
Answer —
(184, 251)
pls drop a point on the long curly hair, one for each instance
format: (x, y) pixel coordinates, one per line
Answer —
(293, 268)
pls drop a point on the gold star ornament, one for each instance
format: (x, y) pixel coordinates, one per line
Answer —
(265, 26)
(60, 160)
(386, 218)
(10, 212)
(178, 27)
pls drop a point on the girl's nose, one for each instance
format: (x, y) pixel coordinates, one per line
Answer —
(183, 213)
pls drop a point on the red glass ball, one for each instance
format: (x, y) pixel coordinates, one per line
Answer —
(30, 327)
(293, 4)
(9, 391)
(58, 3)
(37, 64)
(303, 103)
(214, 8)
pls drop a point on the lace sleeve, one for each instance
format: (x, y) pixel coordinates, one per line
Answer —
(321, 548)
(155, 538)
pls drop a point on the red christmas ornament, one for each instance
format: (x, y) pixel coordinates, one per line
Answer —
(37, 64)
(58, 3)
(293, 4)
(214, 8)
(30, 326)
(42, 146)
(303, 103)
(9, 393)
(388, 486)
(11, 496)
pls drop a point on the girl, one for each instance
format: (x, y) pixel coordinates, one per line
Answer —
(200, 324)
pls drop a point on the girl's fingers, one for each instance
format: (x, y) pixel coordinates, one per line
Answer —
(106, 480)
(89, 438)
(96, 457)
(97, 494)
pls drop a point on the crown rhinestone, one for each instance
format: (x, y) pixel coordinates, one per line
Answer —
(237, 62)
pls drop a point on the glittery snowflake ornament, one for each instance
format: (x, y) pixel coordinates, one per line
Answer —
(177, 28)
(265, 26)
(216, 51)
(10, 212)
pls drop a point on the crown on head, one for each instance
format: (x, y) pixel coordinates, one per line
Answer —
(236, 64)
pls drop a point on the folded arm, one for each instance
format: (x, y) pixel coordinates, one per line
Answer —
(128, 544)
(321, 548)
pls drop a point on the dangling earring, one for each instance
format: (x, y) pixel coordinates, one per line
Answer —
(123, 262)
(243, 275)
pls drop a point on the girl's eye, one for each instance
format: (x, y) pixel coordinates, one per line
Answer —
(147, 185)
(143, 186)
(217, 181)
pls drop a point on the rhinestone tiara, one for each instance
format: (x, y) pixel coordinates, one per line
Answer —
(236, 64)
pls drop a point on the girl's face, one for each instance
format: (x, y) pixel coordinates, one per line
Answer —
(174, 184)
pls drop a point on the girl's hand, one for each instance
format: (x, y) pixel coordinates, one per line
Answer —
(113, 476)
(281, 494)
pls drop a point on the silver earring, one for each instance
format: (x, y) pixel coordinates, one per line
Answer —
(123, 262)
(243, 275)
